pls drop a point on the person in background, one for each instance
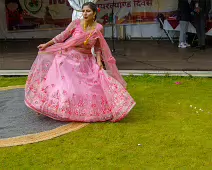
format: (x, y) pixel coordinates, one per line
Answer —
(184, 16)
(200, 11)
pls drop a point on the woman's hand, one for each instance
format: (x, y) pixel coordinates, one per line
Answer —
(99, 62)
(42, 46)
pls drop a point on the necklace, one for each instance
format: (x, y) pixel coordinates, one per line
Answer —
(85, 27)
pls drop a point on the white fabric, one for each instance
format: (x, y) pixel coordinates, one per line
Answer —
(168, 27)
(77, 6)
(191, 28)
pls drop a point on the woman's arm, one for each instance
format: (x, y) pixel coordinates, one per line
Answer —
(98, 50)
(49, 43)
(60, 37)
(44, 46)
(65, 34)
(98, 53)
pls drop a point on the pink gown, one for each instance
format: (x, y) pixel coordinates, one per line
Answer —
(68, 85)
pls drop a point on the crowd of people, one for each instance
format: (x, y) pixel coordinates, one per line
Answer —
(196, 11)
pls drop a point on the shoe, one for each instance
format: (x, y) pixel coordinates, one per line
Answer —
(187, 45)
(181, 45)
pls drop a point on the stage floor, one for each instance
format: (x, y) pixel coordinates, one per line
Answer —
(130, 55)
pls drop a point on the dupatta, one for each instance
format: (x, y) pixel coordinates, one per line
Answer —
(108, 59)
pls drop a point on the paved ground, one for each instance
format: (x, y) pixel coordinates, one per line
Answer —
(17, 120)
(131, 55)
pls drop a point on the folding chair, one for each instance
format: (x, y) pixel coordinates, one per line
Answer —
(161, 19)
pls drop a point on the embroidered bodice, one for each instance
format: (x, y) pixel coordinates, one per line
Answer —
(75, 29)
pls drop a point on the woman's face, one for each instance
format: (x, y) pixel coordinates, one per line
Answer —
(88, 13)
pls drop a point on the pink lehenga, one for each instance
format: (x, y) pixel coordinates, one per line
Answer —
(66, 83)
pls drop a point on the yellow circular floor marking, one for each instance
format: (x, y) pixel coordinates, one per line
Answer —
(38, 137)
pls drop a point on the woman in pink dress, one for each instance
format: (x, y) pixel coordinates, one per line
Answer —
(68, 83)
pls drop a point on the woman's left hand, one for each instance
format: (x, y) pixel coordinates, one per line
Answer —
(99, 62)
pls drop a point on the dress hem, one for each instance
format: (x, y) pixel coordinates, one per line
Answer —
(123, 115)
(72, 120)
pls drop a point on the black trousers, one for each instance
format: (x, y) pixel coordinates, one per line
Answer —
(200, 23)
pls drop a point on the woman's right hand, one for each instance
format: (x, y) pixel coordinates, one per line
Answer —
(42, 46)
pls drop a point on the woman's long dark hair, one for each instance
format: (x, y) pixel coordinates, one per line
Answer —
(92, 6)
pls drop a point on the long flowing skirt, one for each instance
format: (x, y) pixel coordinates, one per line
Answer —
(71, 87)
